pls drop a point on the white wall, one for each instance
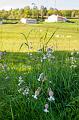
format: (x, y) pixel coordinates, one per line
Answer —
(52, 18)
(28, 20)
(23, 20)
(0, 22)
(55, 18)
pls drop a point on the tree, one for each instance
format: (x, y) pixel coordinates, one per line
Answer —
(4, 14)
(21, 13)
(43, 11)
(27, 11)
(66, 13)
(35, 12)
(54, 11)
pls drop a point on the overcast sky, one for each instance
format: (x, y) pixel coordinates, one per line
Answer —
(59, 4)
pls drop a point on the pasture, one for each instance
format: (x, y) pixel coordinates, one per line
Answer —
(66, 36)
(44, 84)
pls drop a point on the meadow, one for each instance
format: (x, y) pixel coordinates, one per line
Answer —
(65, 37)
(39, 71)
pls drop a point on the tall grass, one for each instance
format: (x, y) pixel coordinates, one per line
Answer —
(42, 38)
(60, 77)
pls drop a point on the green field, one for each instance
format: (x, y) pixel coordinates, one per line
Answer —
(61, 71)
(65, 38)
(39, 85)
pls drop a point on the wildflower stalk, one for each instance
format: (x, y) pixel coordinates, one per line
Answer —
(11, 111)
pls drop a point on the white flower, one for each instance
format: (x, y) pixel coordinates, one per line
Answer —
(19, 90)
(49, 55)
(41, 60)
(51, 98)
(44, 57)
(72, 58)
(72, 53)
(26, 91)
(7, 77)
(20, 82)
(30, 54)
(50, 81)
(51, 95)
(77, 52)
(46, 108)
(20, 78)
(73, 66)
(41, 77)
(34, 96)
(36, 93)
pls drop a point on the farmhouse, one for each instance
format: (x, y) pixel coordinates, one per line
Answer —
(28, 20)
(56, 18)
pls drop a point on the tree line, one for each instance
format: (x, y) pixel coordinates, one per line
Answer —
(34, 12)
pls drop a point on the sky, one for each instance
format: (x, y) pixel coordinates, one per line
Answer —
(59, 4)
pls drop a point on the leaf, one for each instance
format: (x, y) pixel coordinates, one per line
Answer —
(26, 38)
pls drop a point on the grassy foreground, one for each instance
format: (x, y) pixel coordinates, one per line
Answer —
(65, 37)
(39, 85)
(58, 73)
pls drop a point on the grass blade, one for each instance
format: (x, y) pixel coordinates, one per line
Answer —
(26, 38)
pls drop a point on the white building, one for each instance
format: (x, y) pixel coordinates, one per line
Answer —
(56, 18)
(0, 22)
(28, 20)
